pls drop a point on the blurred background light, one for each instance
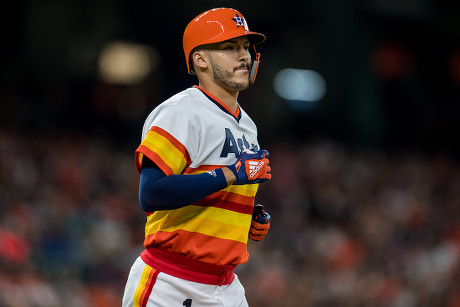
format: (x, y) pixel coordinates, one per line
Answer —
(126, 63)
(371, 170)
(299, 87)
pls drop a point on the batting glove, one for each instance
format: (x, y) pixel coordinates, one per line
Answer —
(260, 223)
(251, 167)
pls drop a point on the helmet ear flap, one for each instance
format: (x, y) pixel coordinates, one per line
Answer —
(255, 66)
(191, 68)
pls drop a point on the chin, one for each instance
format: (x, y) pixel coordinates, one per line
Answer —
(243, 83)
(235, 84)
(242, 86)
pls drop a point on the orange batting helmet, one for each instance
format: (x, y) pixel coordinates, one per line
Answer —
(218, 25)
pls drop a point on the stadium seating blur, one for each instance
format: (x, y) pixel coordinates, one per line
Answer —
(349, 228)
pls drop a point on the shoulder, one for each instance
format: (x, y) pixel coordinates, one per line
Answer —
(178, 110)
(188, 99)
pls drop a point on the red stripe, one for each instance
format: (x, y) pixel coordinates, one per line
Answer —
(187, 268)
(148, 290)
(200, 246)
(236, 197)
(224, 204)
(226, 200)
(154, 157)
(173, 141)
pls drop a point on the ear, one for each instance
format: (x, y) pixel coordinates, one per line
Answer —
(200, 59)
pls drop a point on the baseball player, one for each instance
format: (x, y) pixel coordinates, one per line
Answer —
(200, 166)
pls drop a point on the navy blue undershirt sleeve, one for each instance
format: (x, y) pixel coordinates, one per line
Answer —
(160, 192)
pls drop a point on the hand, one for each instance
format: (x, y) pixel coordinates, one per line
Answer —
(251, 167)
(260, 223)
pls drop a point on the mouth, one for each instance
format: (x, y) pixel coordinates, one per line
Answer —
(242, 67)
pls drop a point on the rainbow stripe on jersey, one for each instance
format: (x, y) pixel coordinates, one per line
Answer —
(214, 229)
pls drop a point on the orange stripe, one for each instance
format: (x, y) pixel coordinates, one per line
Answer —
(144, 289)
(148, 290)
(143, 149)
(155, 158)
(233, 197)
(201, 247)
(173, 141)
(166, 151)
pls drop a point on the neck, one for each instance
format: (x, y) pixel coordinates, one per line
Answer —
(228, 97)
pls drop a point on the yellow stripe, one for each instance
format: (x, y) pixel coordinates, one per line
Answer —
(218, 230)
(141, 156)
(245, 190)
(143, 283)
(155, 221)
(215, 214)
(216, 222)
(172, 156)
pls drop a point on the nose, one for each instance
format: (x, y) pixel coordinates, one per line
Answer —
(244, 54)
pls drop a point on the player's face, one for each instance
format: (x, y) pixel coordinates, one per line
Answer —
(231, 63)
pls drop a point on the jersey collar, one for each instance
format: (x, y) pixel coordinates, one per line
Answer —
(236, 115)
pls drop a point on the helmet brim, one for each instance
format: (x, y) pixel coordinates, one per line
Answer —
(256, 38)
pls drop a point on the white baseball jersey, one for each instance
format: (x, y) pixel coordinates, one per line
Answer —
(194, 132)
(203, 125)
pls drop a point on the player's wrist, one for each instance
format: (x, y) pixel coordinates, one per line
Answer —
(230, 176)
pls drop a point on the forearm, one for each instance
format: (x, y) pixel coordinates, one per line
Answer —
(160, 192)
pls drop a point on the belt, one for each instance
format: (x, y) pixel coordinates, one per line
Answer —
(187, 268)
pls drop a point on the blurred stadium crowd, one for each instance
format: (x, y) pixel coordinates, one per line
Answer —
(350, 227)
(368, 220)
